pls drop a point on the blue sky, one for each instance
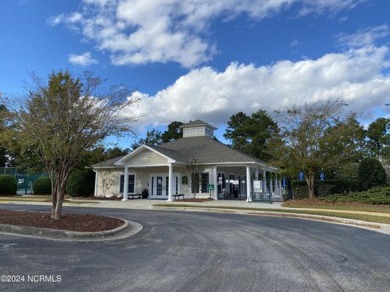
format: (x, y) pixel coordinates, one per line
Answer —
(201, 59)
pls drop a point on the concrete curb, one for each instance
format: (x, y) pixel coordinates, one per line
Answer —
(373, 226)
(150, 205)
(128, 229)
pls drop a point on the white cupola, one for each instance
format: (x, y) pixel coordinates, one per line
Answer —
(198, 128)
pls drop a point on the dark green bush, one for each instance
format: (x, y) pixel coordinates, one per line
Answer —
(377, 196)
(8, 185)
(81, 183)
(42, 186)
(344, 186)
(299, 189)
(371, 173)
(325, 187)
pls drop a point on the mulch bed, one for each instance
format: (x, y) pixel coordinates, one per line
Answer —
(71, 222)
(92, 198)
(195, 200)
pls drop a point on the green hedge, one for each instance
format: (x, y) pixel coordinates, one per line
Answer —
(42, 186)
(325, 188)
(8, 185)
(81, 183)
(376, 196)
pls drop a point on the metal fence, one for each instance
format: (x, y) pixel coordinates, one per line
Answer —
(24, 181)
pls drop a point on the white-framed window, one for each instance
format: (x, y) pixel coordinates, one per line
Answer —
(131, 184)
(204, 182)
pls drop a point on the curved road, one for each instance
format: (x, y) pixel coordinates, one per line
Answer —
(190, 251)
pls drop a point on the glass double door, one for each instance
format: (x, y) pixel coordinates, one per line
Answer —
(159, 184)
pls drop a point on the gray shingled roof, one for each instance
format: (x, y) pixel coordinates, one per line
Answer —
(107, 163)
(205, 149)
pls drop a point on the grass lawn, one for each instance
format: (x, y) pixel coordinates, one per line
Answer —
(320, 204)
(41, 198)
(328, 212)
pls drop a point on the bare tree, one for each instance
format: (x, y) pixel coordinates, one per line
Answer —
(194, 171)
(106, 180)
(62, 119)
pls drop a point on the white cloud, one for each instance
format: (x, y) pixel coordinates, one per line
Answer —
(325, 6)
(365, 37)
(144, 31)
(82, 60)
(204, 93)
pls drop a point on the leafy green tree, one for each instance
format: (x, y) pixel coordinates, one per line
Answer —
(111, 153)
(378, 136)
(155, 137)
(251, 134)
(81, 183)
(316, 138)
(236, 131)
(61, 119)
(3, 159)
(99, 154)
(173, 132)
(371, 173)
(6, 158)
(152, 138)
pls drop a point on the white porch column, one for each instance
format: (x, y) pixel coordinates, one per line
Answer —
(280, 186)
(170, 177)
(126, 185)
(248, 184)
(270, 186)
(96, 183)
(215, 183)
(265, 191)
(257, 173)
(276, 186)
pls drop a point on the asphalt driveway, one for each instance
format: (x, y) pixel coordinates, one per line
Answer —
(193, 251)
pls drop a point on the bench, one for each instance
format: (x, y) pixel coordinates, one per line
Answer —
(134, 196)
(177, 196)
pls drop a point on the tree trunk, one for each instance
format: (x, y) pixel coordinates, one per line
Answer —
(310, 184)
(57, 210)
(53, 204)
(58, 195)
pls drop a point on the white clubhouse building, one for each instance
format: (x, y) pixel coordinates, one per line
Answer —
(164, 171)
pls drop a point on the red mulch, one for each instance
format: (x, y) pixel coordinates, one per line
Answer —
(98, 198)
(71, 222)
(195, 200)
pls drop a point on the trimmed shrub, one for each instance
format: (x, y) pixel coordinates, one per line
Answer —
(325, 188)
(299, 189)
(371, 173)
(81, 183)
(8, 185)
(42, 186)
(344, 186)
(376, 196)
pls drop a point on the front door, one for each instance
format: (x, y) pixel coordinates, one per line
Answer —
(158, 185)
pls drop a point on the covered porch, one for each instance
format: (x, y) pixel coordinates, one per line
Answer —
(219, 182)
